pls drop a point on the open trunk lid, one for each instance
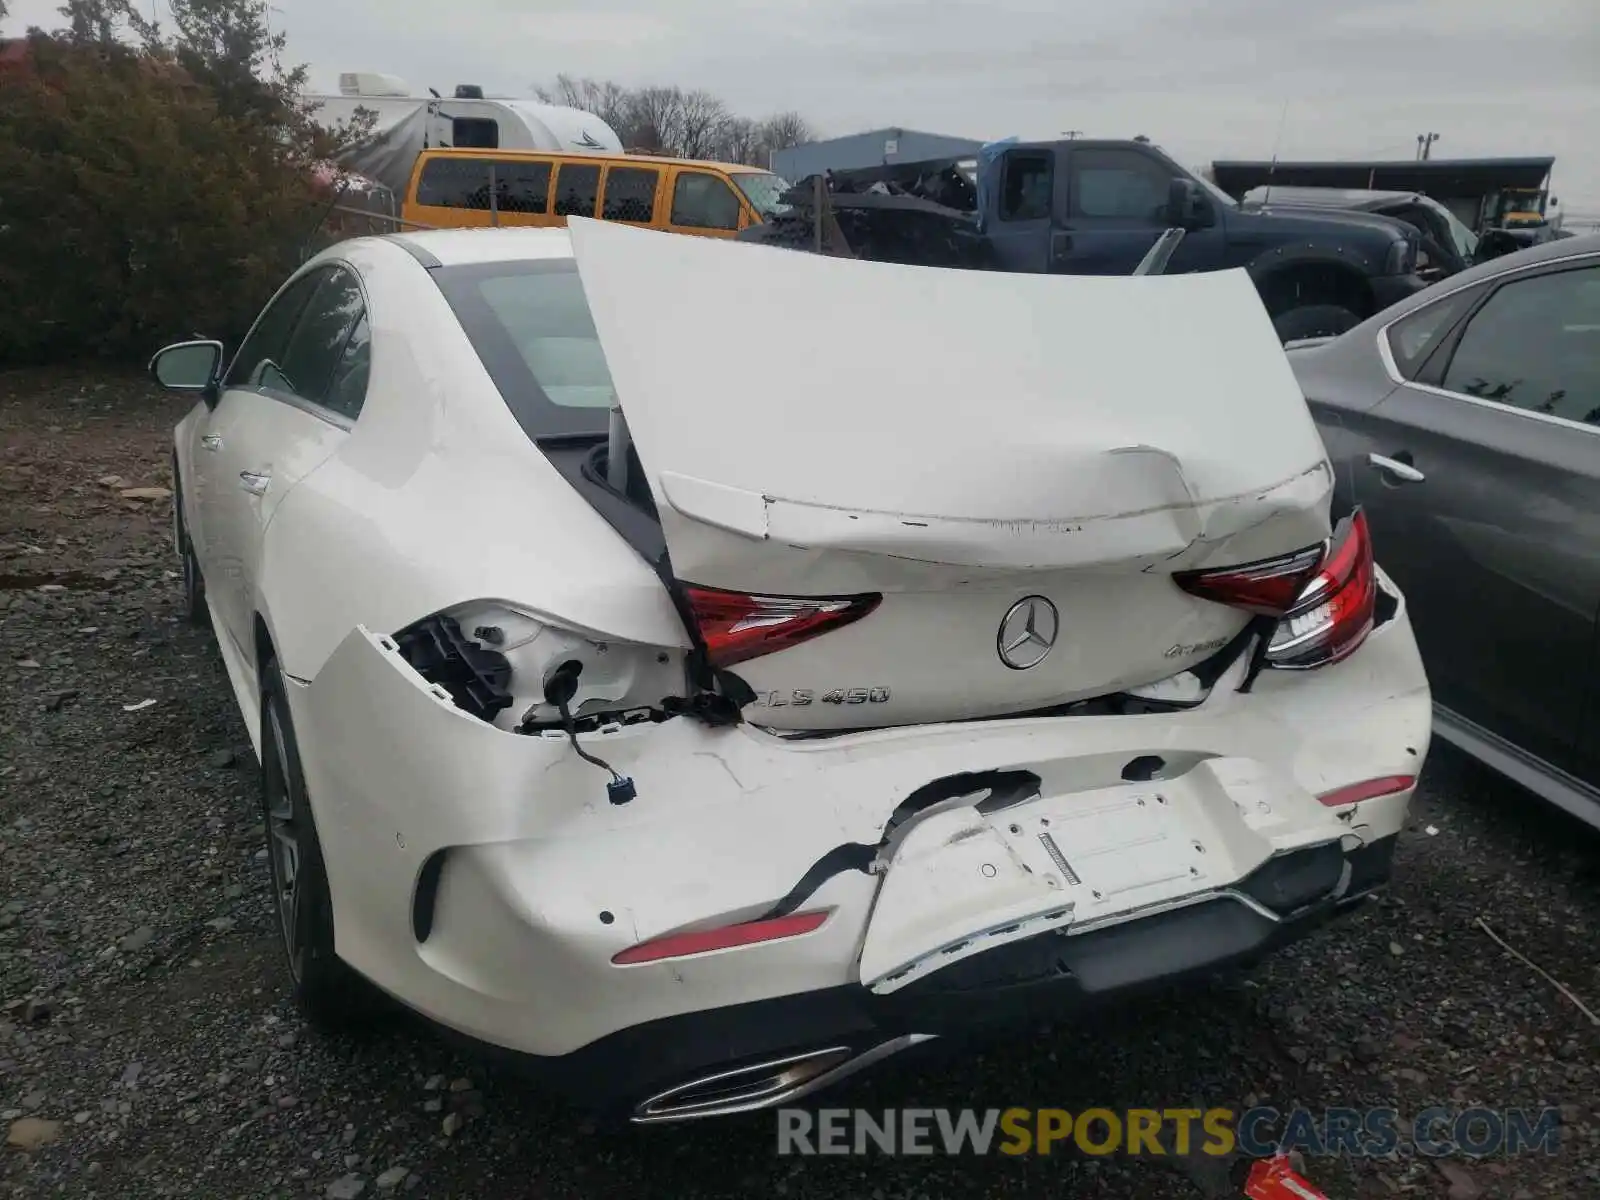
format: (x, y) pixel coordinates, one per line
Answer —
(958, 443)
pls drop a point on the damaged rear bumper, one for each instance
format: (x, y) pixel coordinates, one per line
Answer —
(481, 877)
(649, 1071)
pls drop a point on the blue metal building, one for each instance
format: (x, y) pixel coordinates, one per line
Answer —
(874, 149)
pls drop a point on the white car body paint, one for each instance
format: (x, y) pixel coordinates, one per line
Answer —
(728, 820)
(436, 499)
(847, 423)
(834, 452)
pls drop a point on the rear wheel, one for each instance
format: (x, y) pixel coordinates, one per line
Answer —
(329, 993)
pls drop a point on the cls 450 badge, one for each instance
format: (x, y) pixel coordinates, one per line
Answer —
(800, 697)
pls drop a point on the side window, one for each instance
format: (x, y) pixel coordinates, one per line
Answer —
(475, 133)
(1417, 334)
(1026, 184)
(703, 201)
(630, 194)
(576, 185)
(348, 391)
(1535, 345)
(1119, 183)
(318, 342)
(264, 348)
(522, 187)
(454, 183)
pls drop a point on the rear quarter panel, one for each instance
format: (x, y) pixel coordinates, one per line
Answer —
(436, 498)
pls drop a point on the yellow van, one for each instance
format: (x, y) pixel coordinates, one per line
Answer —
(473, 188)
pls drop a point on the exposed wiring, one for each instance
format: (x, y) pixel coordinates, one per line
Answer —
(559, 689)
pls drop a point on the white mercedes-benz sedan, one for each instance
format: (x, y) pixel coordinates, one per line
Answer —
(703, 670)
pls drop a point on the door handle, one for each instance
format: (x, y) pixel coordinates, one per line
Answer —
(212, 441)
(1397, 468)
(254, 482)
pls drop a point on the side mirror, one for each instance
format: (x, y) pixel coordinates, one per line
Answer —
(189, 367)
(1187, 206)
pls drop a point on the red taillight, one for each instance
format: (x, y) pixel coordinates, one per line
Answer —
(1327, 601)
(680, 945)
(1338, 607)
(736, 627)
(1367, 789)
(1271, 587)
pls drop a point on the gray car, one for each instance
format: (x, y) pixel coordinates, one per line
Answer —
(1465, 420)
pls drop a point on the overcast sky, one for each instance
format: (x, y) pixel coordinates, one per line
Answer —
(1358, 77)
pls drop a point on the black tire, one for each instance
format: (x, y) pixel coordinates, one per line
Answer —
(194, 584)
(329, 993)
(1314, 320)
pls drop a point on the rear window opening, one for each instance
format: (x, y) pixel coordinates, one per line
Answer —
(597, 470)
(530, 324)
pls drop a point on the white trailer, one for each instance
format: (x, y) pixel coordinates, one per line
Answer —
(408, 124)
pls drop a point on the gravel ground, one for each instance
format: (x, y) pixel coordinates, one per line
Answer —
(144, 1007)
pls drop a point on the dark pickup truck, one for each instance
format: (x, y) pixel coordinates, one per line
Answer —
(1096, 208)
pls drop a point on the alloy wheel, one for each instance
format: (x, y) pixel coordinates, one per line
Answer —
(283, 844)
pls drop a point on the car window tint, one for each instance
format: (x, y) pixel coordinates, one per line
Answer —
(348, 390)
(576, 185)
(475, 133)
(1414, 336)
(264, 346)
(547, 319)
(1535, 345)
(1026, 185)
(521, 187)
(1118, 183)
(630, 194)
(454, 183)
(703, 201)
(318, 341)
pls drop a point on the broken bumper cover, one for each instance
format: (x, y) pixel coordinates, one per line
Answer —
(1044, 977)
(481, 878)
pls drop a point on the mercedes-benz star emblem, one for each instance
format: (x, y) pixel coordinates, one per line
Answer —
(1027, 633)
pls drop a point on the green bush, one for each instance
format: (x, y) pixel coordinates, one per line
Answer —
(148, 190)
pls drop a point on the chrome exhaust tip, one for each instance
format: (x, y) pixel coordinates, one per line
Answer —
(764, 1084)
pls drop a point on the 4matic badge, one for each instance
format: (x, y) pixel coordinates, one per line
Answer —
(800, 697)
(1189, 649)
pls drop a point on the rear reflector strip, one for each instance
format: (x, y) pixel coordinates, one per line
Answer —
(1368, 789)
(681, 945)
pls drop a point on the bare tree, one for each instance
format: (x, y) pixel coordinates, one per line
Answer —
(781, 131)
(701, 117)
(740, 142)
(670, 120)
(655, 120)
(607, 100)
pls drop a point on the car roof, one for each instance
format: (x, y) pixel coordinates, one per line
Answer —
(1330, 196)
(622, 156)
(463, 247)
(1574, 247)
